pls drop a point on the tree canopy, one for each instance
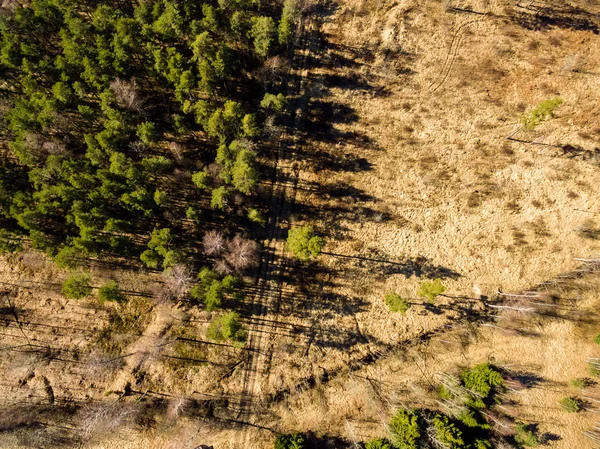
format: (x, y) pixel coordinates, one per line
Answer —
(304, 243)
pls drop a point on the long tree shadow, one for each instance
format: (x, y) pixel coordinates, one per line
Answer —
(418, 266)
(566, 16)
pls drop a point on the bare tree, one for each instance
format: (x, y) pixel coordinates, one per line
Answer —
(222, 267)
(127, 94)
(177, 407)
(272, 130)
(214, 243)
(178, 279)
(98, 364)
(103, 418)
(242, 253)
(177, 151)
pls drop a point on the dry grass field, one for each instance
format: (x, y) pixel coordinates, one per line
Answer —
(406, 169)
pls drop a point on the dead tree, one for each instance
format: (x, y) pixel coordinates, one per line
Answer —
(127, 94)
(214, 243)
(242, 253)
(178, 280)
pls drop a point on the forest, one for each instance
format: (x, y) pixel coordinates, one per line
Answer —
(130, 131)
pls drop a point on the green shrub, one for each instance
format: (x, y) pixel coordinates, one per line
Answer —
(150, 258)
(594, 369)
(525, 436)
(396, 303)
(290, 441)
(447, 433)
(541, 112)
(379, 443)
(255, 216)
(581, 383)
(482, 380)
(227, 327)
(110, 292)
(273, 102)
(70, 257)
(200, 180)
(597, 339)
(214, 296)
(147, 132)
(571, 404)
(405, 432)
(304, 243)
(77, 286)
(431, 290)
(481, 444)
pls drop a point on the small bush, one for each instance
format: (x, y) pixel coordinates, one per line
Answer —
(543, 111)
(593, 369)
(431, 290)
(581, 383)
(255, 216)
(290, 441)
(396, 303)
(571, 404)
(77, 286)
(110, 292)
(379, 443)
(597, 339)
(228, 327)
(405, 432)
(447, 433)
(483, 380)
(304, 243)
(525, 436)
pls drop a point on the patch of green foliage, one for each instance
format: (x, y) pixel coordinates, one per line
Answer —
(255, 216)
(482, 380)
(431, 290)
(597, 339)
(77, 286)
(397, 303)
(525, 436)
(405, 429)
(228, 327)
(447, 432)
(110, 292)
(540, 113)
(464, 427)
(571, 404)
(290, 441)
(212, 289)
(303, 242)
(581, 383)
(379, 443)
(286, 24)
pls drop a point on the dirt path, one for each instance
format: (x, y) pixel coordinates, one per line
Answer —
(274, 263)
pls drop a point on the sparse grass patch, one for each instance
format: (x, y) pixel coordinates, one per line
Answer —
(126, 322)
(186, 353)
